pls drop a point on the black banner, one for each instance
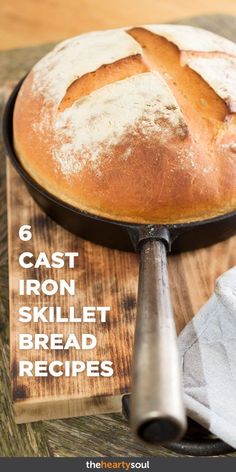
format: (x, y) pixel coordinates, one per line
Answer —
(119, 463)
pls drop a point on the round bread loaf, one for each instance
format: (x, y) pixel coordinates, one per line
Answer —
(134, 124)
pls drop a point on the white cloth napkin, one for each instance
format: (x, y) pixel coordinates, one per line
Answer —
(208, 356)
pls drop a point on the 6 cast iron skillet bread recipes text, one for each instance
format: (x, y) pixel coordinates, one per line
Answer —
(126, 137)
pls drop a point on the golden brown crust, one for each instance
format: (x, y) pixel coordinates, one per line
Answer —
(188, 175)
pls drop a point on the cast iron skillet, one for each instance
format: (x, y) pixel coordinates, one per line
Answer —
(198, 441)
(157, 411)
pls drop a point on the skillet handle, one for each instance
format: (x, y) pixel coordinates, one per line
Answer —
(157, 409)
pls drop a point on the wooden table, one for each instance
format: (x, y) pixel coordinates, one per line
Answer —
(29, 22)
(87, 436)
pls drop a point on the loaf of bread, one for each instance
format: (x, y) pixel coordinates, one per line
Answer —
(135, 124)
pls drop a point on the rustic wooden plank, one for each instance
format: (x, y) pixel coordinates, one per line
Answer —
(89, 436)
(24, 440)
(104, 278)
(103, 435)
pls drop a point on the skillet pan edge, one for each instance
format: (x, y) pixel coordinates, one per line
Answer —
(111, 233)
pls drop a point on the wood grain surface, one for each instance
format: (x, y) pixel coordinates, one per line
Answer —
(192, 277)
(103, 278)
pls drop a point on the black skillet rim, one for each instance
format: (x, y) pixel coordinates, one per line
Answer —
(7, 124)
(201, 447)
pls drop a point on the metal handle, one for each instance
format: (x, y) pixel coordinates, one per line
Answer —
(157, 409)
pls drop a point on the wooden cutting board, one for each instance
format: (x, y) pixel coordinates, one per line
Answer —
(104, 277)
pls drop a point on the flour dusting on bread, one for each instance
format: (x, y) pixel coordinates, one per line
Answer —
(77, 56)
(220, 72)
(190, 38)
(142, 105)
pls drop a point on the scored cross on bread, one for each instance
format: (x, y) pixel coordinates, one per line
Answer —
(136, 124)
